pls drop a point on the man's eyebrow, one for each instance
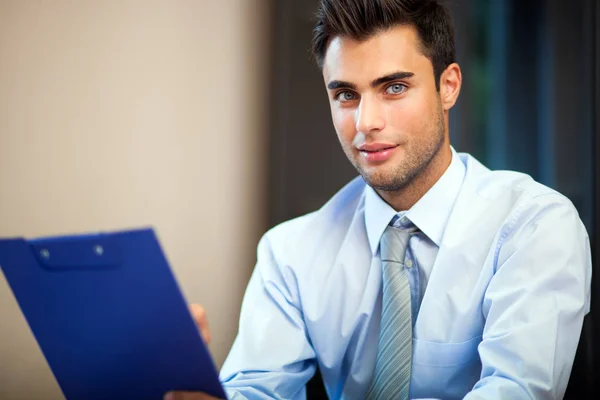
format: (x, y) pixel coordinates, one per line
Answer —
(379, 81)
(340, 85)
(391, 77)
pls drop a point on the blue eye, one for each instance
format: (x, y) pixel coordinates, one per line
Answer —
(345, 96)
(396, 88)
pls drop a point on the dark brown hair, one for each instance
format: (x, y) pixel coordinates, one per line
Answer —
(360, 19)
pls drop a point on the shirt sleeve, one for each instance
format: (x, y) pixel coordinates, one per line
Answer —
(535, 304)
(271, 356)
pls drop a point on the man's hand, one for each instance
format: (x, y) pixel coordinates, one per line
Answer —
(199, 315)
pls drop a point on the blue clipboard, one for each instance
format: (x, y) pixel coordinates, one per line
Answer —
(108, 315)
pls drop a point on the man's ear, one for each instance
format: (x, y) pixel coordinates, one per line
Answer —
(450, 83)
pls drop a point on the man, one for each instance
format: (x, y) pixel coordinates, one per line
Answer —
(428, 276)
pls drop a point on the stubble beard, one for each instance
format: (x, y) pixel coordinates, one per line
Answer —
(400, 176)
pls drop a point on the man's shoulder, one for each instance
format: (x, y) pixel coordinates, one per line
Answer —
(508, 197)
(504, 185)
(497, 210)
(333, 217)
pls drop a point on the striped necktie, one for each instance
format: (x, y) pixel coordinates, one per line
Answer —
(391, 379)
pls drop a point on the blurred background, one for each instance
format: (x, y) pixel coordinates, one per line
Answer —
(127, 113)
(208, 121)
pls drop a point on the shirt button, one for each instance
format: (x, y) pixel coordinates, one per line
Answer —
(404, 220)
(408, 263)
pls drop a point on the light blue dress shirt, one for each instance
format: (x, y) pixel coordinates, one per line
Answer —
(500, 286)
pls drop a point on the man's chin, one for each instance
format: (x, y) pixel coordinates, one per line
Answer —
(381, 177)
(387, 184)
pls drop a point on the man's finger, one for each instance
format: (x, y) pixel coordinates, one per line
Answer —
(188, 396)
(199, 315)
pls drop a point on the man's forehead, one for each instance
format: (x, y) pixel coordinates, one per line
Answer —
(396, 49)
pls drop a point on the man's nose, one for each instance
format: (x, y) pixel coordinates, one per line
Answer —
(369, 116)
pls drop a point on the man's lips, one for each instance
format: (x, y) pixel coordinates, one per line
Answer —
(377, 152)
(374, 147)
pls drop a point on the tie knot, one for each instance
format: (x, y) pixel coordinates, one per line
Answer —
(394, 243)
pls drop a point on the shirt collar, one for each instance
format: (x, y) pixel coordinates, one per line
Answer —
(430, 214)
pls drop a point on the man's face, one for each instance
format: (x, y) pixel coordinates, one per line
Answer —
(385, 106)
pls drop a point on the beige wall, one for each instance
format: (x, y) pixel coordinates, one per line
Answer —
(117, 114)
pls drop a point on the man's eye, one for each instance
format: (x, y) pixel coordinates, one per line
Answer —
(345, 96)
(396, 88)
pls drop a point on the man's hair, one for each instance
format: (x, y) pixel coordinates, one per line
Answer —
(360, 19)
